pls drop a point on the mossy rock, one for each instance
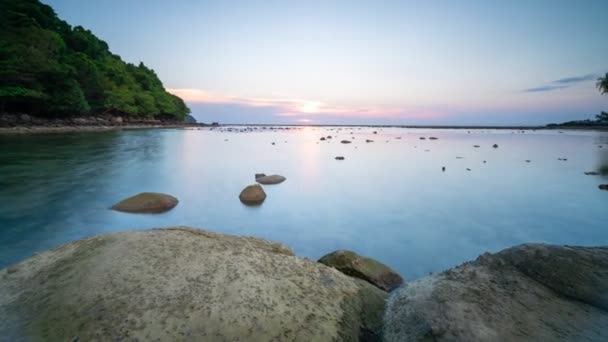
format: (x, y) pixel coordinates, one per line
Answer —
(370, 270)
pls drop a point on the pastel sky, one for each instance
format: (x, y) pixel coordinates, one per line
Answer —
(485, 62)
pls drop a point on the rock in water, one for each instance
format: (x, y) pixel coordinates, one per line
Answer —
(258, 175)
(346, 141)
(370, 270)
(253, 195)
(495, 145)
(146, 203)
(339, 158)
(272, 179)
(603, 186)
(531, 292)
(183, 284)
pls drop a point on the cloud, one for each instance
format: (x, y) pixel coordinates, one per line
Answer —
(561, 83)
(576, 79)
(299, 108)
(544, 88)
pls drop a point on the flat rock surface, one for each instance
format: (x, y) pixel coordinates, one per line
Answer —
(370, 270)
(146, 203)
(272, 179)
(529, 292)
(177, 284)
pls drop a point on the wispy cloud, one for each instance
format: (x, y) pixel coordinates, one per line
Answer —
(561, 83)
(544, 88)
(294, 107)
(576, 79)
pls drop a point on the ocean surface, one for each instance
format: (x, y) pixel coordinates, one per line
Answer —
(389, 199)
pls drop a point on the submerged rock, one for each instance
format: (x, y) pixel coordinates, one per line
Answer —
(370, 270)
(592, 173)
(272, 179)
(532, 292)
(178, 284)
(146, 203)
(603, 186)
(253, 195)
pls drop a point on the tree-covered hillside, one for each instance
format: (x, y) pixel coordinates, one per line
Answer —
(48, 68)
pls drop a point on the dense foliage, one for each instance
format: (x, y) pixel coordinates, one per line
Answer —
(602, 85)
(49, 68)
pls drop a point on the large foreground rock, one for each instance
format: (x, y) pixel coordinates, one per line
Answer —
(531, 292)
(146, 203)
(272, 179)
(179, 284)
(370, 270)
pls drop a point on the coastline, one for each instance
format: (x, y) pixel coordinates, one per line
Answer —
(17, 130)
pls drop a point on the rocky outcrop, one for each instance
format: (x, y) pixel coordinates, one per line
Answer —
(253, 195)
(146, 203)
(183, 284)
(531, 292)
(272, 179)
(370, 270)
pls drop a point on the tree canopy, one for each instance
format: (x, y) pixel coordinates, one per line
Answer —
(602, 84)
(48, 68)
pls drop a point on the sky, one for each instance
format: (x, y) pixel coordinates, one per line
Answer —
(442, 62)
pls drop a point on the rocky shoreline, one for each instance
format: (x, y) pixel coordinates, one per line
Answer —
(182, 283)
(26, 124)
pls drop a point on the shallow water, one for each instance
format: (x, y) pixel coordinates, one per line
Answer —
(388, 199)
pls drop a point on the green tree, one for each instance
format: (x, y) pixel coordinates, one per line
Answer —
(602, 84)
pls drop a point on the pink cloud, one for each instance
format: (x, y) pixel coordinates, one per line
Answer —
(293, 107)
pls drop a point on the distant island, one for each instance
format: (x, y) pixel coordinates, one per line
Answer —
(49, 69)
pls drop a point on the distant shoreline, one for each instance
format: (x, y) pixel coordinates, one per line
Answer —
(556, 127)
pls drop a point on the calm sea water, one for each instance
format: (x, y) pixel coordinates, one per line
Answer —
(388, 200)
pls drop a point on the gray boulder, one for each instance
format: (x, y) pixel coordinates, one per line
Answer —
(370, 270)
(183, 284)
(272, 179)
(146, 203)
(531, 292)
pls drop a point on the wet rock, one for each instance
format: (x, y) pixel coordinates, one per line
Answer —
(476, 146)
(549, 289)
(339, 158)
(322, 139)
(433, 138)
(368, 141)
(443, 168)
(370, 270)
(253, 195)
(177, 284)
(592, 173)
(272, 179)
(146, 203)
(603, 186)
(345, 141)
(527, 160)
(258, 175)
(116, 120)
(495, 145)
(422, 138)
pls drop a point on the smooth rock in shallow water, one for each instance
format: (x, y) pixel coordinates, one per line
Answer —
(183, 284)
(253, 194)
(368, 141)
(592, 173)
(603, 186)
(339, 158)
(495, 145)
(146, 203)
(272, 179)
(370, 270)
(433, 138)
(346, 141)
(532, 292)
(258, 175)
